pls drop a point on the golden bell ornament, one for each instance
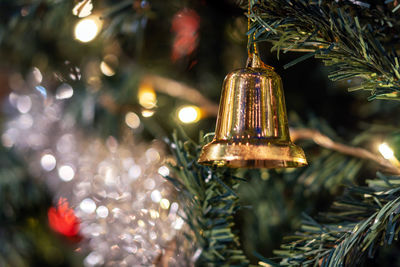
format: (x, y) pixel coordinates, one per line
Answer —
(252, 128)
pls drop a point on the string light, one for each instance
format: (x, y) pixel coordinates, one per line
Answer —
(189, 114)
(388, 154)
(87, 29)
(147, 113)
(386, 151)
(147, 97)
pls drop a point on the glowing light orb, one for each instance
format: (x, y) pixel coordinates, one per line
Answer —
(189, 114)
(132, 120)
(87, 29)
(164, 203)
(88, 206)
(386, 151)
(66, 173)
(147, 97)
(147, 113)
(48, 162)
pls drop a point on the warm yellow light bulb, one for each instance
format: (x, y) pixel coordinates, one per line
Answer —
(147, 113)
(147, 96)
(189, 114)
(106, 69)
(87, 29)
(386, 151)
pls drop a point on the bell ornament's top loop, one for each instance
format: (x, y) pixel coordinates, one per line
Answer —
(252, 128)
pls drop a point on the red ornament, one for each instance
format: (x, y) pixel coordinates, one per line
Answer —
(185, 24)
(63, 220)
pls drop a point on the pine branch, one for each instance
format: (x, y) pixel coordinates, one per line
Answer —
(210, 202)
(363, 219)
(350, 37)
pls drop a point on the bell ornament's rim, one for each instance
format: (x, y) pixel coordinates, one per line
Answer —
(251, 155)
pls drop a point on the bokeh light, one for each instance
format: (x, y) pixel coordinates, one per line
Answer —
(48, 162)
(147, 113)
(189, 114)
(64, 91)
(147, 97)
(83, 9)
(164, 203)
(88, 205)
(386, 151)
(108, 65)
(132, 120)
(102, 211)
(66, 173)
(156, 196)
(87, 29)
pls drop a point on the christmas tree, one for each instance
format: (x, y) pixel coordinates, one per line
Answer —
(107, 107)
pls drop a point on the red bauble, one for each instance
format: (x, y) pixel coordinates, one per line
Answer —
(185, 24)
(62, 219)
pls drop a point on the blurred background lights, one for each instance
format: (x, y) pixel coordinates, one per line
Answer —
(386, 151)
(24, 104)
(48, 162)
(146, 95)
(64, 91)
(149, 184)
(7, 139)
(108, 65)
(154, 214)
(189, 114)
(87, 29)
(163, 171)
(102, 211)
(174, 208)
(41, 90)
(94, 259)
(152, 155)
(83, 8)
(141, 224)
(35, 77)
(178, 224)
(156, 196)
(132, 120)
(106, 69)
(119, 198)
(134, 172)
(87, 205)
(388, 154)
(147, 113)
(25, 121)
(13, 98)
(164, 203)
(66, 173)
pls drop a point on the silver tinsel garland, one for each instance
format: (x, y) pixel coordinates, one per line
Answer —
(125, 207)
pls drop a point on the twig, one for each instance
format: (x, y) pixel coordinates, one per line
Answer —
(180, 90)
(358, 152)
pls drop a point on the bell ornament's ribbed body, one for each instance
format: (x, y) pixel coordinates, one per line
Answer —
(252, 127)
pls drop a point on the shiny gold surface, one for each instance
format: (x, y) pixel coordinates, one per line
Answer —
(252, 128)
